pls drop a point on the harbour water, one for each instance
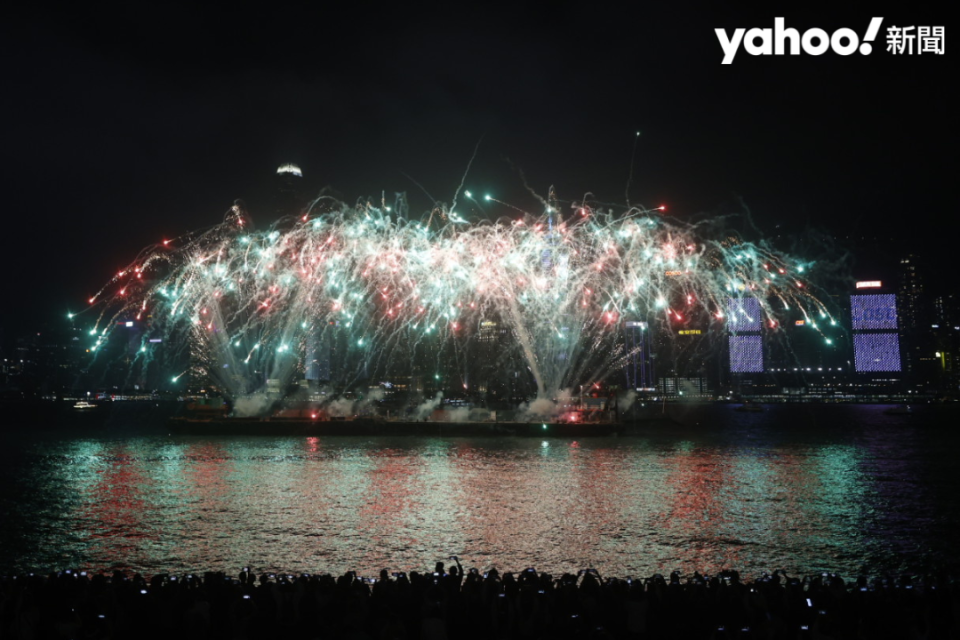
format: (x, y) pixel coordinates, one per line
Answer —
(807, 488)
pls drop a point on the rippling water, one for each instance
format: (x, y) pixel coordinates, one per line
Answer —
(806, 488)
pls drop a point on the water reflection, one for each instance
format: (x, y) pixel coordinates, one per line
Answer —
(119, 491)
(746, 497)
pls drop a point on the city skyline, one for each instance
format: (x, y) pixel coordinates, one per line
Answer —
(879, 338)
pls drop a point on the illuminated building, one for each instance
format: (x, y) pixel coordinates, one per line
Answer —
(639, 367)
(744, 342)
(288, 198)
(876, 344)
(489, 345)
(683, 352)
(876, 340)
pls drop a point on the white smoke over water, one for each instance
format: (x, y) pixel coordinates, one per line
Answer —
(458, 414)
(340, 408)
(256, 404)
(427, 407)
(538, 409)
(626, 400)
(344, 407)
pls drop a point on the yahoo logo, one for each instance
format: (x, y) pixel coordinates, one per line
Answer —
(777, 41)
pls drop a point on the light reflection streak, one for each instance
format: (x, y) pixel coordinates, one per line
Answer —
(728, 499)
(694, 507)
(111, 520)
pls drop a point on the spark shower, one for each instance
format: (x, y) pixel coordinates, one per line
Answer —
(252, 306)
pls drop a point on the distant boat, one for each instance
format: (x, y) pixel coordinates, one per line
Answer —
(83, 405)
(899, 410)
(750, 407)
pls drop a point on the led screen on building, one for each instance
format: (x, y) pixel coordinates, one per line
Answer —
(877, 311)
(743, 314)
(876, 352)
(746, 354)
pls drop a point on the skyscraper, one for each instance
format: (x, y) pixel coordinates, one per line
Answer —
(912, 323)
(639, 366)
(288, 196)
(744, 342)
(875, 324)
(945, 329)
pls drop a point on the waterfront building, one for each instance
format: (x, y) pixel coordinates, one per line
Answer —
(745, 347)
(638, 369)
(876, 327)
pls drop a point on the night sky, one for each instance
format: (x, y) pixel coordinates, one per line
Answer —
(122, 128)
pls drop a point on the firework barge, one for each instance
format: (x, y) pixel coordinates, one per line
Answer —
(376, 427)
(439, 423)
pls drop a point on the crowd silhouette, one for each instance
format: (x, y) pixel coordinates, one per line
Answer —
(449, 602)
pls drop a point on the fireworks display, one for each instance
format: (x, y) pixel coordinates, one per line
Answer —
(253, 306)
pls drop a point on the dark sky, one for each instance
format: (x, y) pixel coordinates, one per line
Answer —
(123, 127)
